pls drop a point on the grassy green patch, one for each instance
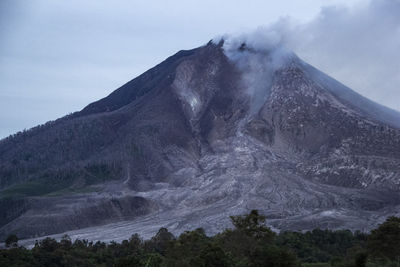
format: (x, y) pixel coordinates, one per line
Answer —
(39, 187)
(46, 183)
(59, 182)
(67, 191)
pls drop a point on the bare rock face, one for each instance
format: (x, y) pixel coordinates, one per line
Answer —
(208, 133)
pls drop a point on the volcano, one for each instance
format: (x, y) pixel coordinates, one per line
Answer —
(208, 133)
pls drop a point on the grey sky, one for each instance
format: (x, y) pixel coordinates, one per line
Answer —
(58, 56)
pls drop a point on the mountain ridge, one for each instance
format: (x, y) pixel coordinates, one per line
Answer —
(200, 137)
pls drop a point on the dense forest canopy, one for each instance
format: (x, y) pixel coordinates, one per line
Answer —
(249, 243)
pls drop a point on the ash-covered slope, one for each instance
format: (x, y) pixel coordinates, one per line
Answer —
(209, 133)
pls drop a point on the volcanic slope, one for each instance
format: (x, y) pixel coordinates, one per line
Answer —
(210, 132)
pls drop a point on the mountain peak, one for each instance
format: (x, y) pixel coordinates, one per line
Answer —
(234, 125)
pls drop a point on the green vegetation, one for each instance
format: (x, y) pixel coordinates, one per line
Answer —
(39, 187)
(11, 241)
(59, 182)
(71, 190)
(97, 173)
(249, 243)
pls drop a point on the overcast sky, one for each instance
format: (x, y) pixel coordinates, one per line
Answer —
(58, 56)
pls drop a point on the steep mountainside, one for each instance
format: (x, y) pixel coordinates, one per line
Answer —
(208, 133)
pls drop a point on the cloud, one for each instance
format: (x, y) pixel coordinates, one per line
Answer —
(358, 45)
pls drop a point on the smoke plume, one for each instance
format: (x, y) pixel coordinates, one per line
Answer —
(358, 46)
(258, 55)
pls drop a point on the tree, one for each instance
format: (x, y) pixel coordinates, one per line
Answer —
(185, 250)
(11, 241)
(384, 242)
(65, 242)
(162, 240)
(213, 255)
(251, 243)
(253, 225)
(271, 255)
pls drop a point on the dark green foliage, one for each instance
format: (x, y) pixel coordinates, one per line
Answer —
(253, 244)
(11, 241)
(249, 243)
(194, 248)
(271, 255)
(321, 245)
(384, 242)
(161, 241)
(213, 255)
(360, 259)
(253, 225)
(185, 250)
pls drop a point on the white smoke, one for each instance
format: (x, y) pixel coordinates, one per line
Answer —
(359, 46)
(258, 55)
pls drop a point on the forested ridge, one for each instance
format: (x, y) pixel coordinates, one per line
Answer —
(249, 243)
